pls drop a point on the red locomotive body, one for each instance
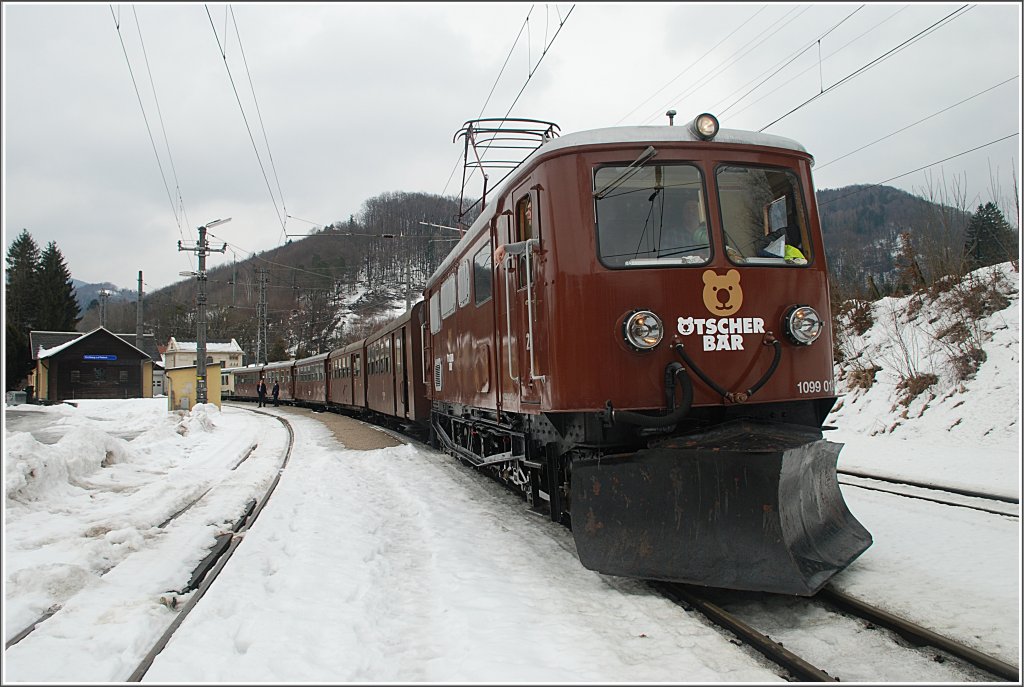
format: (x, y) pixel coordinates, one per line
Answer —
(655, 293)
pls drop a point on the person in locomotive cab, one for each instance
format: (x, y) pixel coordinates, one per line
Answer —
(695, 229)
(524, 232)
(275, 392)
(261, 392)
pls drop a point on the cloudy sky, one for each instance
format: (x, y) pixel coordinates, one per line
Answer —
(125, 127)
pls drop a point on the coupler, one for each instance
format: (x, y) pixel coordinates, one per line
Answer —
(747, 505)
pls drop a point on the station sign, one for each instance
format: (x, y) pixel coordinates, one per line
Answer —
(91, 356)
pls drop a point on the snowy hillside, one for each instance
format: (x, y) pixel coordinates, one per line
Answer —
(939, 371)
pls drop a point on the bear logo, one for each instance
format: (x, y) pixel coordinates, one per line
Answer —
(722, 294)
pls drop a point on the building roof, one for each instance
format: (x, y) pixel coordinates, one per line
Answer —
(44, 340)
(175, 346)
(42, 352)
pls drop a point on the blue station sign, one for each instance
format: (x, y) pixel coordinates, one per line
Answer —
(91, 356)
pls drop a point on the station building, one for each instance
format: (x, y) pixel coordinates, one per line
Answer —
(97, 364)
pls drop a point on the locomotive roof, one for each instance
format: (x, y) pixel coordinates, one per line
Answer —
(609, 135)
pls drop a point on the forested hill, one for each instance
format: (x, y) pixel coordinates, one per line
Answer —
(862, 226)
(320, 291)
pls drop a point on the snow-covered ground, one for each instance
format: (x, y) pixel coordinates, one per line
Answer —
(400, 565)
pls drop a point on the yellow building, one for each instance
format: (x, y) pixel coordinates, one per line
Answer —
(181, 387)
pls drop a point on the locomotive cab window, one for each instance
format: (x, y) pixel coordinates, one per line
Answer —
(525, 230)
(482, 274)
(763, 216)
(651, 216)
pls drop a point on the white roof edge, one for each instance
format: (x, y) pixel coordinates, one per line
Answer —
(621, 134)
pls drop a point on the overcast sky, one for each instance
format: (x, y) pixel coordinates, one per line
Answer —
(360, 99)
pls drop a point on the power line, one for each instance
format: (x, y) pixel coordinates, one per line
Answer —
(259, 115)
(693, 64)
(878, 60)
(160, 115)
(898, 176)
(800, 52)
(533, 69)
(149, 130)
(732, 59)
(934, 114)
(495, 85)
(826, 58)
(245, 119)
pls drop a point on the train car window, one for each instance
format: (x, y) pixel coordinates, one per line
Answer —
(656, 217)
(448, 296)
(482, 274)
(435, 313)
(763, 216)
(524, 232)
(463, 283)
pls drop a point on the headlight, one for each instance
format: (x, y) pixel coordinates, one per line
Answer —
(642, 330)
(705, 126)
(802, 324)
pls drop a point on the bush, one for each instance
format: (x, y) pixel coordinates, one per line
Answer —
(915, 385)
(860, 377)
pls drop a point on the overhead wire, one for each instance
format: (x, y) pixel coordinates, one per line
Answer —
(234, 88)
(149, 130)
(743, 51)
(533, 68)
(825, 59)
(959, 12)
(819, 167)
(259, 114)
(493, 87)
(816, 41)
(160, 115)
(939, 162)
(692, 64)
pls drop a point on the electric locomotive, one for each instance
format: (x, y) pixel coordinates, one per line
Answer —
(635, 334)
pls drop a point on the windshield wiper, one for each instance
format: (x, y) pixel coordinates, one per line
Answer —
(629, 171)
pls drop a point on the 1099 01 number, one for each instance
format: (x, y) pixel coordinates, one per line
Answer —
(814, 386)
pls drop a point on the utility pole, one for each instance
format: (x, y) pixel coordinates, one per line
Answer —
(104, 295)
(202, 250)
(138, 318)
(261, 318)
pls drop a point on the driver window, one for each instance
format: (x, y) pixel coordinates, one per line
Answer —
(524, 232)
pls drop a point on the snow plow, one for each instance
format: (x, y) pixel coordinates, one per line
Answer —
(749, 506)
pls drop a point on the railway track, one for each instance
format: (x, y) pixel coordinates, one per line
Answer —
(945, 495)
(713, 605)
(207, 569)
(210, 567)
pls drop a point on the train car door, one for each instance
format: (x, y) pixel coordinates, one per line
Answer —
(525, 300)
(358, 388)
(506, 349)
(401, 380)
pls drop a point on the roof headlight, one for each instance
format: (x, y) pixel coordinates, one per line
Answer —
(643, 330)
(705, 126)
(802, 324)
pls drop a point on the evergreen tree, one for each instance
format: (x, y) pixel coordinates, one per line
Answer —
(22, 273)
(58, 308)
(21, 307)
(989, 238)
(277, 351)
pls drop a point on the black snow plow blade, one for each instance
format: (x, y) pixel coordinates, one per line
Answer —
(744, 506)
